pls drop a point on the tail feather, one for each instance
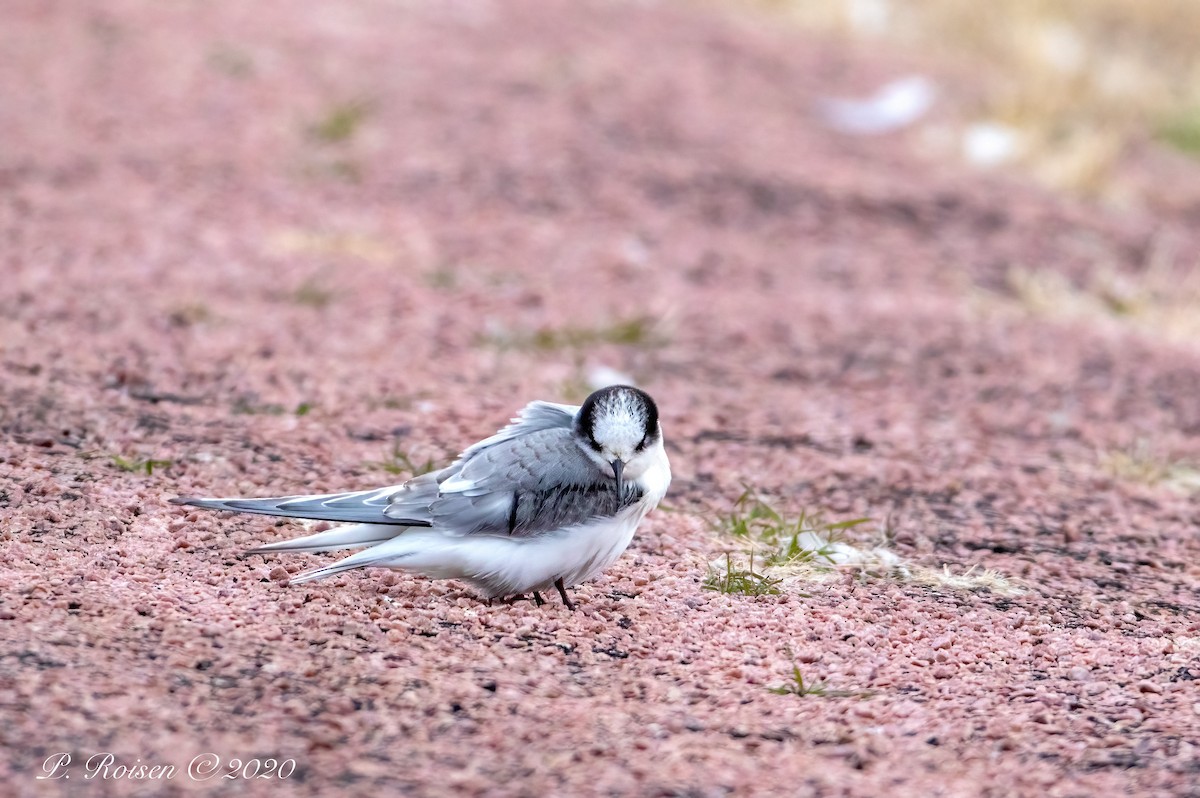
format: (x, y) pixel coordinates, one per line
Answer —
(361, 559)
(342, 537)
(419, 550)
(358, 507)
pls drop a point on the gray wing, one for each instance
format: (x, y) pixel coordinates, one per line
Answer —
(412, 504)
(360, 507)
(524, 486)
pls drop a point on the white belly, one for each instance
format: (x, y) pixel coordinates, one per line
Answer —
(505, 566)
(574, 554)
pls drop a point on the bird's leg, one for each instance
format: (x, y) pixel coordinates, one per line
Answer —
(510, 600)
(562, 591)
(537, 599)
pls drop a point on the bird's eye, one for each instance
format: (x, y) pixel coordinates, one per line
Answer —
(596, 447)
(641, 445)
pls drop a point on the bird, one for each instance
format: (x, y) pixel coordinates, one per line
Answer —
(550, 500)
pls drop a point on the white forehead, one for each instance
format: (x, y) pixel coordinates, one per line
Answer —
(619, 430)
(620, 421)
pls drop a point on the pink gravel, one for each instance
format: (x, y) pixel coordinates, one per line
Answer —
(218, 214)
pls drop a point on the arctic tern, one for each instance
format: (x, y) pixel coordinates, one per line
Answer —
(550, 500)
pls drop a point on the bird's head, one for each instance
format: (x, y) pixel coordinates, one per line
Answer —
(618, 429)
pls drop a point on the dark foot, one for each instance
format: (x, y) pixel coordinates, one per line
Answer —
(562, 591)
(510, 600)
(537, 599)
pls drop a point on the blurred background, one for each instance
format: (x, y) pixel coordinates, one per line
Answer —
(306, 212)
(1069, 90)
(297, 210)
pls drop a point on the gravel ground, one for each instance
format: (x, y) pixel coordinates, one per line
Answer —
(253, 249)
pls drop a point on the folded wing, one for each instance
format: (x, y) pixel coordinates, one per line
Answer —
(524, 486)
(527, 479)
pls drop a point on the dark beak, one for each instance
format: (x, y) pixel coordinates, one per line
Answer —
(618, 466)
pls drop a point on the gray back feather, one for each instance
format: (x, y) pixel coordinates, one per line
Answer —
(529, 479)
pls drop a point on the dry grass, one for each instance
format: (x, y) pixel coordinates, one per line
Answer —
(1160, 303)
(1078, 80)
(330, 244)
(972, 579)
(634, 331)
(1142, 464)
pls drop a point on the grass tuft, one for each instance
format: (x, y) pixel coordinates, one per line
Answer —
(190, 314)
(639, 331)
(805, 539)
(135, 464)
(340, 123)
(312, 294)
(399, 461)
(1183, 132)
(249, 406)
(810, 547)
(231, 61)
(745, 581)
(797, 685)
(442, 278)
